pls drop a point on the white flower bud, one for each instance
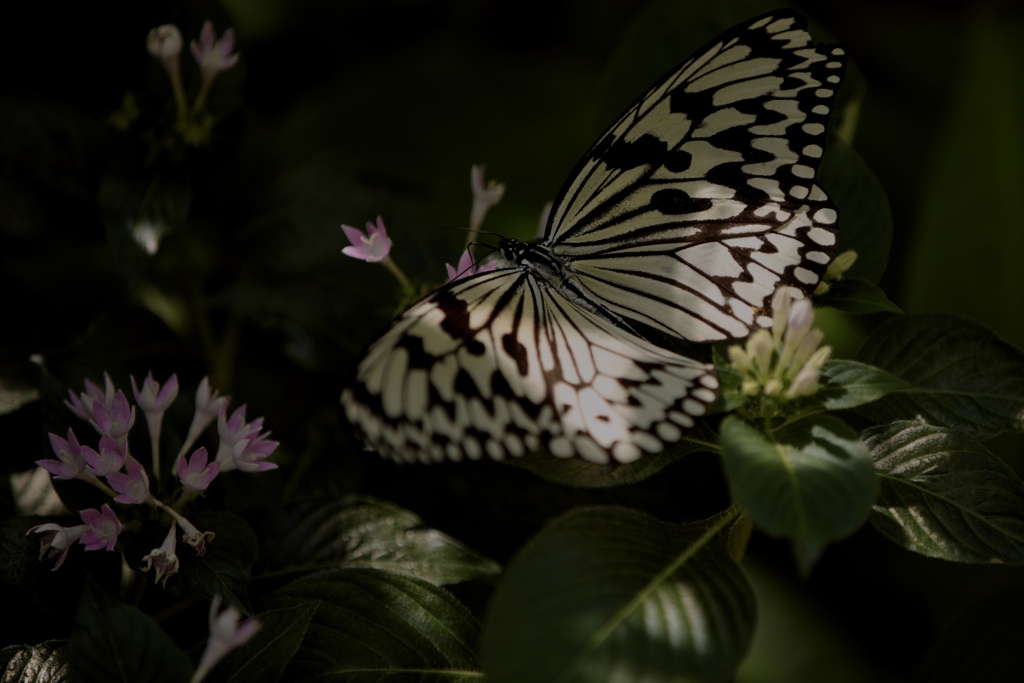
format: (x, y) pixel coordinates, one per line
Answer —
(165, 43)
(739, 359)
(840, 264)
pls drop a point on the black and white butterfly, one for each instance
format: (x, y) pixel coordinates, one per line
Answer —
(680, 222)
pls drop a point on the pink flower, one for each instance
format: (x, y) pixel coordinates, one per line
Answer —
(154, 402)
(103, 528)
(164, 559)
(115, 420)
(57, 540)
(225, 635)
(164, 43)
(209, 404)
(133, 486)
(242, 446)
(196, 475)
(250, 456)
(110, 458)
(484, 196)
(212, 55)
(467, 267)
(82, 405)
(72, 457)
(234, 429)
(371, 246)
(153, 399)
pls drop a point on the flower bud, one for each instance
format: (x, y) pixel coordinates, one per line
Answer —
(165, 43)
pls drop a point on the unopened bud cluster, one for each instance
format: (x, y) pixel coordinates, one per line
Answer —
(785, 363)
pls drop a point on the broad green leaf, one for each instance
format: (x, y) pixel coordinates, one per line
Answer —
(111, 641)
(945, 496)
(605, 594)
(865, 219)
(359, 531)
(858, 296)
(963, 376)
(848, 383)
(226, 567)
(811, 482)
(580, 473)
(266, 654)
(43, 663)
(373, 625)
(983, 644)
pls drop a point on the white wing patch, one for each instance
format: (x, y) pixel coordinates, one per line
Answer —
(523, 367)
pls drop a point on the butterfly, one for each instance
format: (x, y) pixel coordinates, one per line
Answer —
(678, 224)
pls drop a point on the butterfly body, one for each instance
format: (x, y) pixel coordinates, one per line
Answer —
(683, 220)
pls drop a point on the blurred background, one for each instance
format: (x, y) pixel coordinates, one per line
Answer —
(340, 111)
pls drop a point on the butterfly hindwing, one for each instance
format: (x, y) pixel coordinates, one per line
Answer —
(498, 364)
(700, 200)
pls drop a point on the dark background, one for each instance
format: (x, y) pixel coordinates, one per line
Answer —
(340, 111)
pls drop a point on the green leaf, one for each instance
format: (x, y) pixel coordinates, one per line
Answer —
(582, 474)
(946, 496)
(858, 296)
(226, 567)
(612, 594)
(373, 624)
(266, 654)
(963, 376)
(43, 663)
(849, 383)
(811, 482)
(865, 219)
(111, 641)
(359, 531)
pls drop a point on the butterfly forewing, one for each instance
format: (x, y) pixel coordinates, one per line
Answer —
(700, 200)
(500, 365)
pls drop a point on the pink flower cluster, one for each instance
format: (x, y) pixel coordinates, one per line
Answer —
(242, 446)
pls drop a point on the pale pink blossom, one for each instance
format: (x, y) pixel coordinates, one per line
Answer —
(104, 526)
(467, 267)
(71, 460)
(57, 540)
(485, 196)
(209, 404)
(196, 474)
(371, 246)
(242, 446)
(154, 399)
(110, 458)
(164, 560)
(132, 484)
(226, 634)
(212, 55)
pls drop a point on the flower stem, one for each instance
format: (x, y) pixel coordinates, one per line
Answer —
(179, 92)
(204, 90)
(399, 275)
